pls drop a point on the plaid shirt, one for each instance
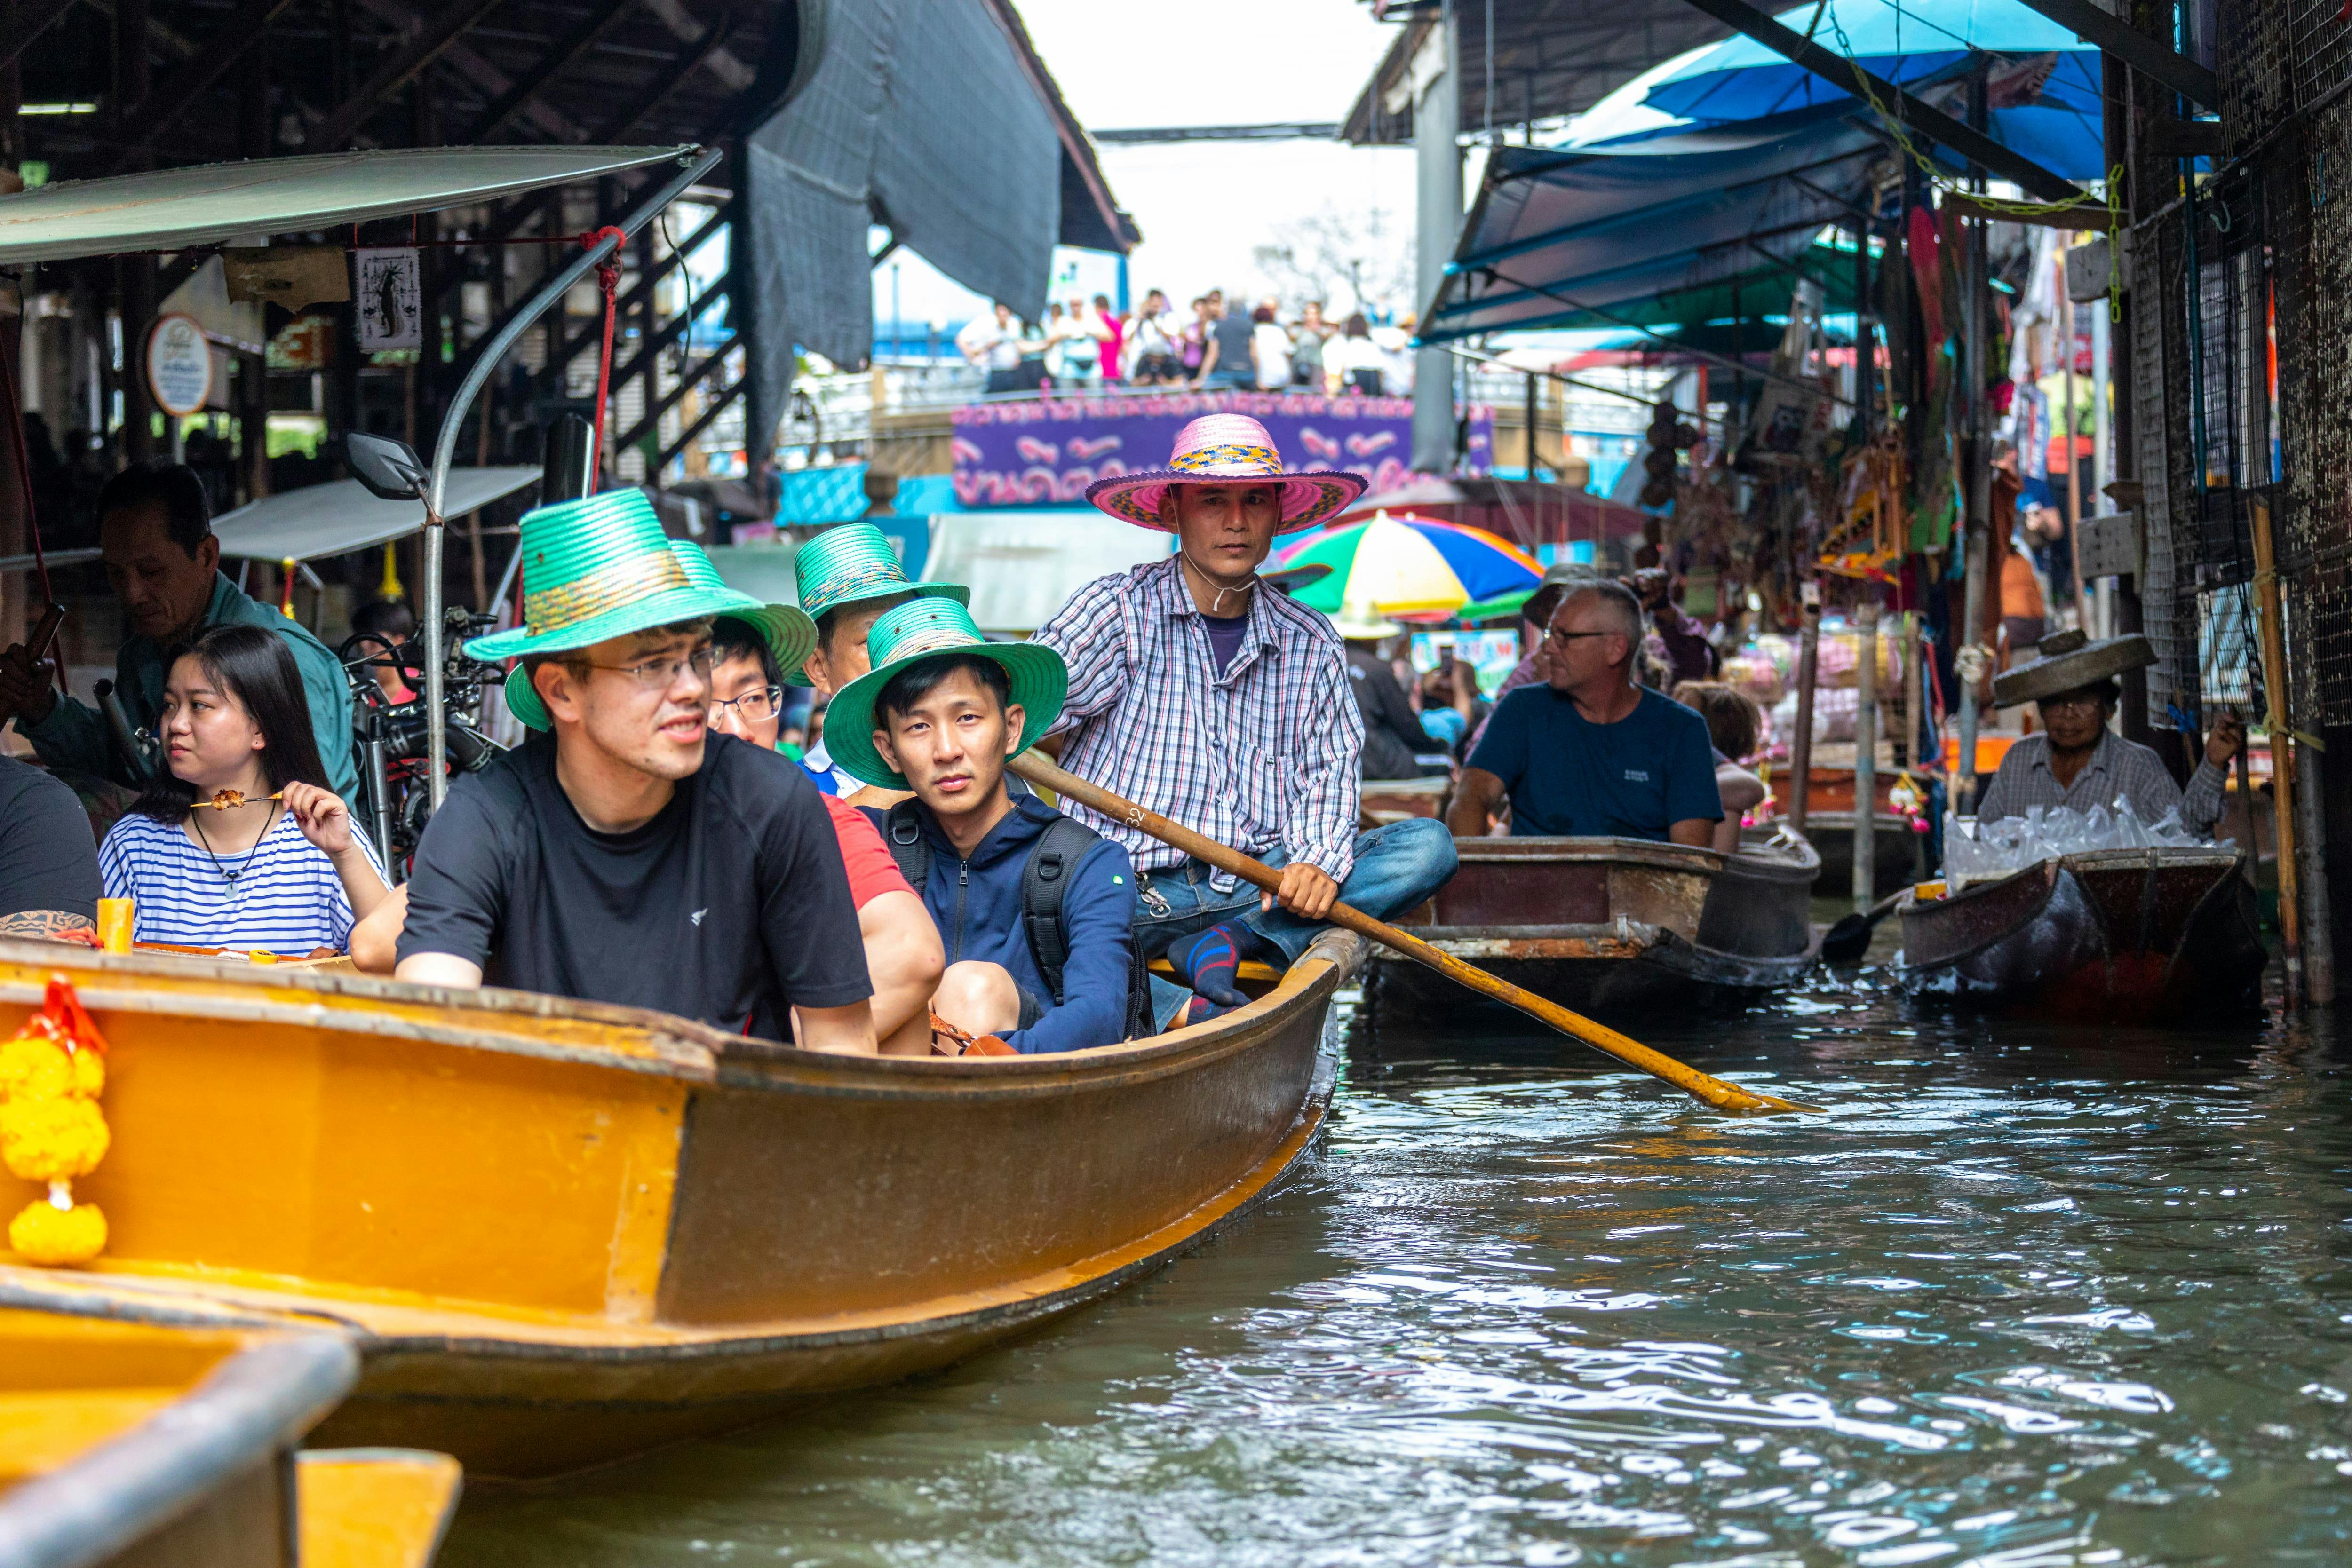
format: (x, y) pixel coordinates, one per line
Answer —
(2117, 767)
(1263, 756)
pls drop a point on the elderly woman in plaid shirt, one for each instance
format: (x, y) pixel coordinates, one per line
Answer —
(2078, 760)
(1228, 710)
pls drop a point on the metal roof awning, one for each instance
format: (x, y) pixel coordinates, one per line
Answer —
(215, 204)
(1524, 60)
(321, 521)
(1591, 238)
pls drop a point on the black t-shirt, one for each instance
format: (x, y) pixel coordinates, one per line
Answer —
(48, 856)
(1232, 333)
(730, 906)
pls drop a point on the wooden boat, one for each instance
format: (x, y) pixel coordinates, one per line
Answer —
(1395, 800)
(1892, 844)
(138, 1443)
(2113, 936)
(1615, 925)
(562, 1232)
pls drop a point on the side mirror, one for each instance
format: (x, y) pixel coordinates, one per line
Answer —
(389, 469)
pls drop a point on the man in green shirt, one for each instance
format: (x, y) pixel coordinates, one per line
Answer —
(155, 534)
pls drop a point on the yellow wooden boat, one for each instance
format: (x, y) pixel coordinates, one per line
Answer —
(562, 1232)
(141, 1443)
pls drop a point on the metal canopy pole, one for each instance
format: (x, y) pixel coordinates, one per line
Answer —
(436, 734)
(1969, 141)
(1437, 156)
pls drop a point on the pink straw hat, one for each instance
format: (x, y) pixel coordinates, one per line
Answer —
(1216, 449)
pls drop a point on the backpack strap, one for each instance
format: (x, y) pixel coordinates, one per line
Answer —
(1043, 881)
(902, 830)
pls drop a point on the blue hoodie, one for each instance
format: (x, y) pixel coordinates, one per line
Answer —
(976, 905)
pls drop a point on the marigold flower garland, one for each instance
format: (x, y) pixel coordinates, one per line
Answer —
(51, 1129)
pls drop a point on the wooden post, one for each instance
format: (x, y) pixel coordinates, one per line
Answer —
(1809, 666)
(1865, 760)
(2283, 749)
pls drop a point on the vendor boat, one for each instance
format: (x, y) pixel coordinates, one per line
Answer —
(125, 1442)
(562, 1232)
(2132, 936)
(1614, 925)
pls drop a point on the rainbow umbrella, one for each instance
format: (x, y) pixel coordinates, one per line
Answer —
(1411, 567)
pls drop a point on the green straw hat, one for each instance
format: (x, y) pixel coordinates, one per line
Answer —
(850, 563)
(701, 578)
(926, 629)
(599, 568)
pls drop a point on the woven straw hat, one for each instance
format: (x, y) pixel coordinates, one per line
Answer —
(1217, 449)
(701, 578)
(1360, 622)
(598, 568)
(927, 627)
(850, 563)
(2069, 661)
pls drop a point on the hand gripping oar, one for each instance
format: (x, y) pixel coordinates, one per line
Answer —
(1033, 767)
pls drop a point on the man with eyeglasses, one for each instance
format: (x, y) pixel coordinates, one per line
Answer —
(626, 855)
(2078, 760)
(904, 955)
(1590, 752)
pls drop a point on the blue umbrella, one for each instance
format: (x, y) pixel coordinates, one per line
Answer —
(2055, 120)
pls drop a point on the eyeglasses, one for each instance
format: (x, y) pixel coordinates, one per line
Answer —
(1556, 635)
(752, 707)
(2084, 701)
(660, 674)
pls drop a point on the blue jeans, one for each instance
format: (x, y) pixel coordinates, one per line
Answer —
(1397, 866)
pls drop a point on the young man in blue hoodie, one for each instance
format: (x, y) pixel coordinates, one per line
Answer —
(940, 713)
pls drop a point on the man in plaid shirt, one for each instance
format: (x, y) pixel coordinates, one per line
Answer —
(1228, 710)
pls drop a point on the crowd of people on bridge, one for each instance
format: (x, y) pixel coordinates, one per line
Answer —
(1213, 344)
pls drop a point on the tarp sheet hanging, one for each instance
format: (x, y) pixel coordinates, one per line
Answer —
(1565, 238)
(919, 116)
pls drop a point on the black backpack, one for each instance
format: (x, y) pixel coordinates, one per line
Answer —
(1042, 882)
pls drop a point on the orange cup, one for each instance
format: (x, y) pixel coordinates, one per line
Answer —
(114, 917)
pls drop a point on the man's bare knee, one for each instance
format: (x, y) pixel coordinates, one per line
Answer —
(978, 998)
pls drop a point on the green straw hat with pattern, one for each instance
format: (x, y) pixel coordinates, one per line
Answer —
(599, 568)
(929, 629)
(851, 563)
(718, 598)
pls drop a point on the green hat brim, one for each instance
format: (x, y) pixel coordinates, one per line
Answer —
(955, 591)
(667, 608)
(1039, 679)
(787, 630)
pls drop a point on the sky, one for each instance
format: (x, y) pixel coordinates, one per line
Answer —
(1204, 207)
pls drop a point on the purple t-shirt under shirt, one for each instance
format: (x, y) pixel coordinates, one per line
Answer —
(1226, 638)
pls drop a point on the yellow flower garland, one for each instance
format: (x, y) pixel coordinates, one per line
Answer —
(51, 1129)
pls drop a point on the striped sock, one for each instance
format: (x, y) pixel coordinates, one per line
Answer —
(1207, 962)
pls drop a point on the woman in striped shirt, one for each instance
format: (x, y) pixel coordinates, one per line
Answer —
(282, 873)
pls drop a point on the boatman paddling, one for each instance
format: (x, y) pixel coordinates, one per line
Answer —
(2078, 760)
(627, 854)
(1228, 710)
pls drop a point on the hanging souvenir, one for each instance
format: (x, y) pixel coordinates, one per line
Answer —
(388, 299)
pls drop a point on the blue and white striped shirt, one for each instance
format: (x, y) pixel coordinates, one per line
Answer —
(285, 899)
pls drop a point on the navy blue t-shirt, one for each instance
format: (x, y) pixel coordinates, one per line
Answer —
(1225, 633)
(1571, 778)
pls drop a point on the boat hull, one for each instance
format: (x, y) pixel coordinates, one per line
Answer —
(1894, 856)
(1618, 927)
(2123, 936)
(764, 1225)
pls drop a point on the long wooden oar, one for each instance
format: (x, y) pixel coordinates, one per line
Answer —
(1033, 767)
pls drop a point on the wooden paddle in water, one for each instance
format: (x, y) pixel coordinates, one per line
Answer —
(1037, 769)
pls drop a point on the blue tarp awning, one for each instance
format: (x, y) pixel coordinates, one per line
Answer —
(1564, 239)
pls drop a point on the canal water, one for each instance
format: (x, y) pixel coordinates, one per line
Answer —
(2023, 1297)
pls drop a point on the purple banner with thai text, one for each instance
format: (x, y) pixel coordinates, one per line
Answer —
(1035, 452)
